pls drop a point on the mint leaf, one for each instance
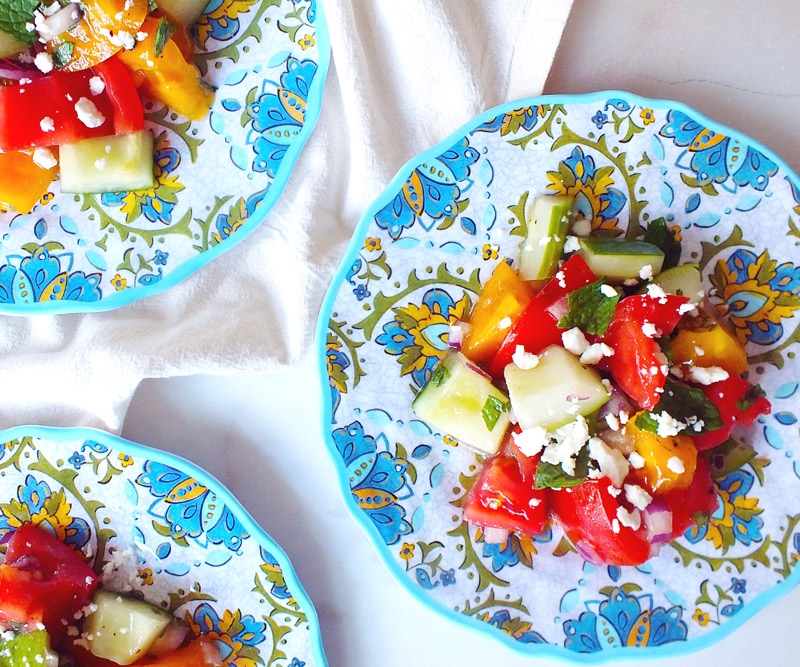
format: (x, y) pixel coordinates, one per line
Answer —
(590, 309)
(661, 236)
(62, 54)
(164, 31)
(552, 476)
(684, 404)
(439, 375)
(14, 15)
(492, 410)
(753, 393)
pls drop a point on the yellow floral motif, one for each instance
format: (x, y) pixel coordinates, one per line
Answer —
(126, 460)
(676, 232)
(647, 116)
(119, 282)
(228, 632)
(490, 251)
(449, 440)
(307, 42)
(407, 551)
(57, 522)
(371, 244)
(46, 198)
(146, 576)
(221, 17)
(337, 378)
(701, 618)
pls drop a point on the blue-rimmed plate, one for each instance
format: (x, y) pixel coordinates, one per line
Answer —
(216, 179)
(420, 254)
(185, 541)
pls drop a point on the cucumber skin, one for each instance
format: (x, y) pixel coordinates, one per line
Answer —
(683, 280)
(541, 262)
(620, 260)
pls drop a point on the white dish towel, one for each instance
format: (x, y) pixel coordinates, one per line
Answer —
(404, 75)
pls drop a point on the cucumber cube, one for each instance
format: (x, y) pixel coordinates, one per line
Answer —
(26, 649)
(619, 260)
(122, 628)
(462, 402)
(683, 280)
(555, 391)
(119, 163)
(548, 221)
(183, 12)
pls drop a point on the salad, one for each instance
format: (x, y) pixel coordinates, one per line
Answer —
(53, 612)
(73, 75)
(603, 388)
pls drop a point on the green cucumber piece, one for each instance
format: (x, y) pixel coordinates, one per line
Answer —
(119, 163)
(184, 12)
(26, 649)
(683, 280)
(122, 628)
(548, 221)
(462, 402)
(729, 457)
(555, 391)
(620, 260)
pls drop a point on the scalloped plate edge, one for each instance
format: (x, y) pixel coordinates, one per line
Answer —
(550, 651)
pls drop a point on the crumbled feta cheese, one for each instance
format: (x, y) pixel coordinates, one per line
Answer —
(43, 62)
(614, 491)
(637, 496)
(532, 440)
(630, 282)
(629, 519)
(44, 158)
(30, 27)
(699, 351)
(524, 360)
(611, 461)
(52, 8)
(122, 39)
(615, 525)
(534, 502)
(595, 352)
(561, 279)
(582, 227)
(649, 330)
(574, 341)
(667, 424)
(686, 308)
(505, 323)
(97, 85)
(24, 81)
(646, 272)
(607, 290)
(623, 417)
(141, 36)
(612, 421)
(544, 240)
(708, 375)
(565, 443)
(572, 244)
(636, 460)
(675, 464)
(656, 291)
(88, 113)
(47, 124)
(100, 164)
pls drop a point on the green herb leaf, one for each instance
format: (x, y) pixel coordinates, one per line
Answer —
(661, 236)
(439, 375)
(684, 404)
(492, 410)
(666, 349)
(590, 309)
(14, 16)
(753, 393)
(62, 54)
(164, 31)
(728, 457)
(552, 476)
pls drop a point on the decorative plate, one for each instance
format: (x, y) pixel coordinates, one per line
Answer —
(216, 179)
(418, 258)
(186, 542)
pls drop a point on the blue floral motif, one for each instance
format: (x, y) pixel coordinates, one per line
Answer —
(278, 589)
(76, 460)
(622, 621)
(514, 550)
(432, 190)
(228, 223)
(161, 257)
(235, 634)
(278, 118)
(41, 277)
(375, 479)
(502, 618)
(715, 157)
(361, 292)
(448, 577)
(600, 119)
(189, 508)
(512, 121)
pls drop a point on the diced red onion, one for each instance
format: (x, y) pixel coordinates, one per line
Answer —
(15, 70)
(617, 440)
(617, 402)
(172, 638)
(658, 521)
(495, 535)
(457, 333)
(478, 370)
(559, 308)
(59, 22)
(587, 553)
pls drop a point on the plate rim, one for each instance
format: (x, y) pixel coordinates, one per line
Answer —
(253, 528)
(187, 268)
(548, 651)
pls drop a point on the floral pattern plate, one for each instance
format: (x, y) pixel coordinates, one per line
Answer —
(169, 531)
(216, 179)
(417, 260)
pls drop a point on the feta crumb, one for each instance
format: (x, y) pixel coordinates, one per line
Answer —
(699, 351)
(141, 36)
(612, 421)
(706, 376)
(686, 308)
(97, 85)
(544, 240)
(561, 279)
(47, 124)
(524, 360)
(667, 424)
(532, 440)
(565, 443)
(636, 460)
(675, 464)
(44, 158)
(88, 113)
(100, 164)
(629, 519)
(607, 290)
(646, 272)
(582, 227)
(505, 323)
(30, 27)
(611, 461)
(649, 330)
(630, 282)
(24, 80)
(637, 496)
(572, 244)
(534, 502)
(43, 62)
(574, 341)
(615, 525)
(614, 491)
(656, 291)
(595, 352)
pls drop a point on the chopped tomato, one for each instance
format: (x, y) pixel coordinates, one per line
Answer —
(505, 498)
(24, 182)
(703, 341)
(588, 515)
(43, 580)
(669, 462)
(638, 365)
(537, 329)
(738, 402)
(128, 112)
(699, 497)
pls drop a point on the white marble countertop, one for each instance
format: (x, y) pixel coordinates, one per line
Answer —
(734, 61)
